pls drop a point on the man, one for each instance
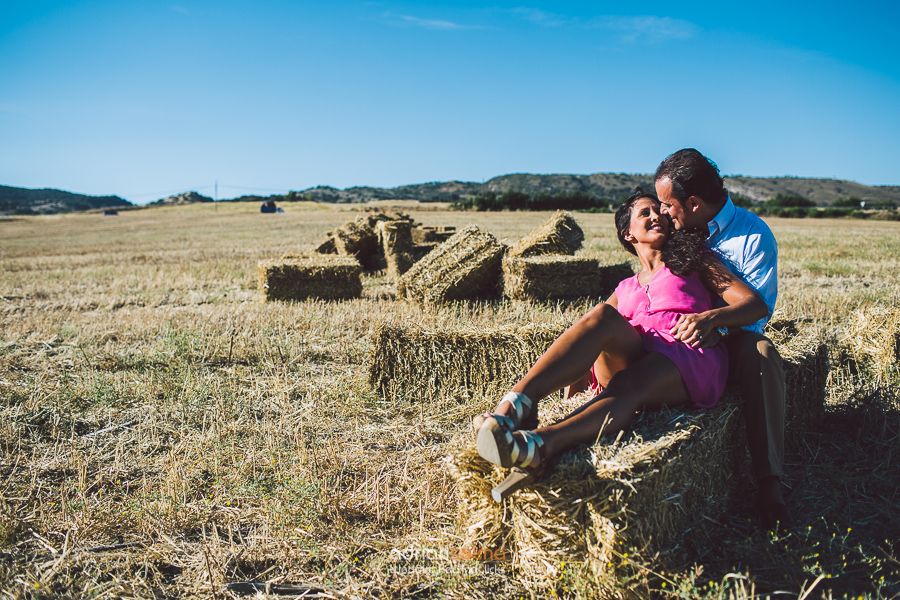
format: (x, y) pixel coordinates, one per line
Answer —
(693, 194)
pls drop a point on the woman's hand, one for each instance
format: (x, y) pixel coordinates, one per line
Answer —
(695, 330)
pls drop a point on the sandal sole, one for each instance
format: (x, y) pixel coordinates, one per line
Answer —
(493, 445)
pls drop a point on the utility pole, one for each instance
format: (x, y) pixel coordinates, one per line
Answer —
(217, 195)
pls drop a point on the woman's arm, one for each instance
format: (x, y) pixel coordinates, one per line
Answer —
(744, 305)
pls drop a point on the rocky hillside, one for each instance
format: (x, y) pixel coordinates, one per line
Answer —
(24, 201)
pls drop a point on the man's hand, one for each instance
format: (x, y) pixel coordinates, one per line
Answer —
(695, 330)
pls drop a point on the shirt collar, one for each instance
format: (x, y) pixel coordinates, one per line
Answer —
(723, 218)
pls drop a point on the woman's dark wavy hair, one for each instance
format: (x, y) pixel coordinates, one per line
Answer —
(682, 250)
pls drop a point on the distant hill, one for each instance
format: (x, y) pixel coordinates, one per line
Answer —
(185, 198)
(24, 201)
(611, 186)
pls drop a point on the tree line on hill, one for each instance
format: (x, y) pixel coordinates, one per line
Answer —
(780, 205)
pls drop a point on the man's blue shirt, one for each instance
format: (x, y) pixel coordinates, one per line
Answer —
(746, 245)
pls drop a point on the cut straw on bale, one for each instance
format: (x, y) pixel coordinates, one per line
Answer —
(315, 276)
(464, 267)
(560, 235)
(873, 337)
(356, 239)
(552, 277)
(659, 488)
(458, 363)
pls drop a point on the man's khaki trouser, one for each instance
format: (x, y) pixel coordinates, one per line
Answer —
(755, 365)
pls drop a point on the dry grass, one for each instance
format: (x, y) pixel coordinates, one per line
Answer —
(148, 397)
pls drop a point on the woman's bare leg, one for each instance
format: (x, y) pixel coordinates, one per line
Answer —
(567, 360)
(652, 381)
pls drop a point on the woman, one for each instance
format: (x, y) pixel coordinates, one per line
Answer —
(644, 347)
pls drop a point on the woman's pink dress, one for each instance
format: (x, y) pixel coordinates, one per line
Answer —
(653, 310)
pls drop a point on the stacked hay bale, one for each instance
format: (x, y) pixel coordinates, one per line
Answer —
(555, 277)
(327, 246)
(358, 240)
(455, 363)
(466, 266)
(559, 235)
(313, 276)
(432, 235)
(658, 488)
(397, 246)
(540, 266)
(873, 338)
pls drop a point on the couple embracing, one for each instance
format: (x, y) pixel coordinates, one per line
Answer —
(673, 334)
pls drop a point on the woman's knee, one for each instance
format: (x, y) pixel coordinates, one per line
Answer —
(600, 314)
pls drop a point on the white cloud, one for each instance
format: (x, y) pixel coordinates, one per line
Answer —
(180, 9)
(646, 27)
(630, 28)
(431, 23)
(435, 24)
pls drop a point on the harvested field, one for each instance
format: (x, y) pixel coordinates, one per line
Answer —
(165, 433)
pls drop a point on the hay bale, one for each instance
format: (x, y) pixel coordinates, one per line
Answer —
(464, 267)
(313, 276)
(328, 246)
(357, 239)
(805, 361)
(552, 277)
(659, 488)
(428, 235)
(453, 363)
(873, 337)
(560, 235)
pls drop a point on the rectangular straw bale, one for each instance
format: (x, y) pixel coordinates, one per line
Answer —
(328, 246)
(555, 276)
(560, 235)
(660, 488)
(873, 337)
(455, 363)
(464, 267)
(357, 239)
(314, 276)
(805, 362)
(426, 235)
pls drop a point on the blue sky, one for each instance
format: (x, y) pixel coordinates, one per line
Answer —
(145, 99)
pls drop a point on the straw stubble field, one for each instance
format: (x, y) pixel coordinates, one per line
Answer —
(166, 433)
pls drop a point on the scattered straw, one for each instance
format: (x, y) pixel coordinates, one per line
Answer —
(315, 276)
(560, 235)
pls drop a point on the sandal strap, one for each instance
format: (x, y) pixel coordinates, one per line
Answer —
(535, 445)
(520, 403)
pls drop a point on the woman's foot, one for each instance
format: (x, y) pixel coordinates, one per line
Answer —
(521, 413)
(523, 449)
